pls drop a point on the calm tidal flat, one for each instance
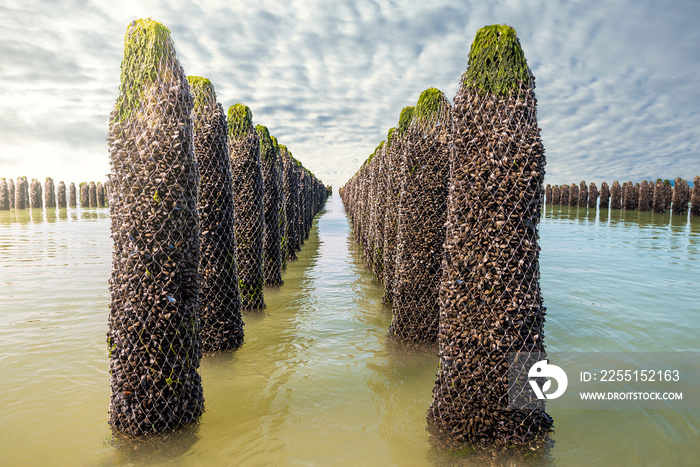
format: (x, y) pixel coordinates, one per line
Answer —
(317, 382)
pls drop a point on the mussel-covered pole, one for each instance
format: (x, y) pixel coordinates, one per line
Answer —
(92, 194)
(49, 193)
(72, 196)
(153, 336)
(564, 195)
(592, 196)
(61, 194)
(4, 195)
(391, 195)
(219, 293)
(548, 194)
(282, 217)
(668, 194)
(11, 190)
(424, 176)
(681, 196)
(269, 157)
(35, 196)
(659, 200)
(249, 210)
(583, 195)
(84, 195)
(616, 196)
(490, 295)
(645, 198)
(695, 198)
(100, 195)
(573, 195)
(604, 196)
(291, 197)
(556, 194)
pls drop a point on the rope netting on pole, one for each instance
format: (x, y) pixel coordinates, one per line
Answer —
(695, 198)
(291, 197)
(219, 293)
(282, 216)
(269, 157)
(490, 295)
(248, 191)
(154, 331)
(422, 209)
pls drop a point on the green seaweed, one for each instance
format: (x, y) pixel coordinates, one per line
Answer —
(267, 148)
(240, 121)
(203, 92)
(497, 63)
(432, 106)
(147, 48)
(390, 135)
(405, 119)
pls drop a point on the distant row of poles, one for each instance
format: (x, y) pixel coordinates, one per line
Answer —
(30, 195)
(660, 196)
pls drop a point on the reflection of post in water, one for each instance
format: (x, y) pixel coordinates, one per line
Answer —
(153, 449)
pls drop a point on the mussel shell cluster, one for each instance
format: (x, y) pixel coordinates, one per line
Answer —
(154, 329)
(490, 296)
(4, 195)
(695, 198)
(219, 293)
(592, 196)
(72, 196)
(424, 177)
(604, 195)
(681, 196)
(61, 195)
(248, 188)
(272, 200)
(35, 194)
(84, 195)
(49, 193)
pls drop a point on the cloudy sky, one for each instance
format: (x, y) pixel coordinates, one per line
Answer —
(617, 81)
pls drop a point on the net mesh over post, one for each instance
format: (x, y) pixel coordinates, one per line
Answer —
(35, 195)
(681, 196)
(72, 196)
(604, 196)
(49, 193)
(219, 293)
(154, 332)
(695, 199)
(391, 195)
(269, 157)
(61, 195)
(381, 187)
(424, 182)
(248, 191)
(592, 196)
(291, 196)
(4, 195)
(490, 295)
(282, 216)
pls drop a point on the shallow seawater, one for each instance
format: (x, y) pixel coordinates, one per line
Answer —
(317, 382)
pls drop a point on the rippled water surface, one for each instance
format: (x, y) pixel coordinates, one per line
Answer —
(316, 382)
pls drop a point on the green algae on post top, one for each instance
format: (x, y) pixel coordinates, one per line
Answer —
(147, 48)
(432, 105)
(405, 119)
(389, 136)
(203, 92)
(497, 63)
(240, 121)
(266, 145)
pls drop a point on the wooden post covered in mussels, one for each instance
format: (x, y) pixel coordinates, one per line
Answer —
(248, 191)
(490, 295)
(11, 189)
(84, 195)
(35, 195)
(4, 195)
(695, 197)
(269, 157)
(154, 336)
(391, 193)
(592, 196)
(72, 195)
(49, 193)
(616, 196)
(61, 195)
(424, 177)
(219, 293)
(604, 196)
(681, 197)
(556, 195)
